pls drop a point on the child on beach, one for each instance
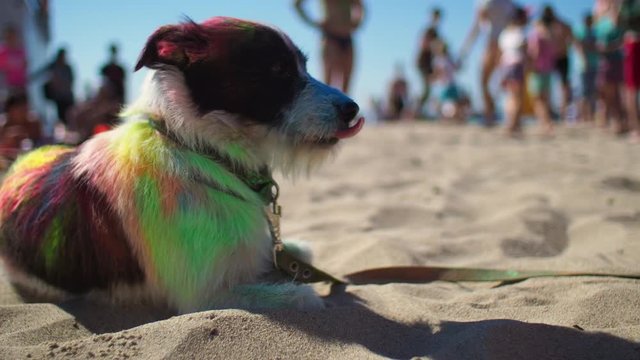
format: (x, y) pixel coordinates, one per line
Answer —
(513, 45)
(452, 102)
(542, 54)
(398, 96)
(19, 129)
(585, 41)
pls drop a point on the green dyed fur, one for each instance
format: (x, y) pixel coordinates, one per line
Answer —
(208, 224)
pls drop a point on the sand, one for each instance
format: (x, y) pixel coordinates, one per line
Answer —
(414, 194)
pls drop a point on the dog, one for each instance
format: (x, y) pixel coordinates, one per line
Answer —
(161, 205)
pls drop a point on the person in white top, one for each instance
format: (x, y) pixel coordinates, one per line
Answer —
(493, 16)
(513, 46)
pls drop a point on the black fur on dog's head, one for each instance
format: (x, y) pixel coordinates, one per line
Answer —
(245, 75)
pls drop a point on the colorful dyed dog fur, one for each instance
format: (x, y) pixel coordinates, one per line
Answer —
(139, 210)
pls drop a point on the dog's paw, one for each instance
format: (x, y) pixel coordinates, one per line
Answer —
(286, 295)
(299, 249)
(305, 298)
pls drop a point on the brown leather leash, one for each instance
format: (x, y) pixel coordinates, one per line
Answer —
(301, 271)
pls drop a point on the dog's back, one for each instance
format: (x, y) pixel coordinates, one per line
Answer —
(130, 207)
(60, 228)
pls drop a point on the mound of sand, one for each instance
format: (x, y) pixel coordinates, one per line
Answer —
(414, 194)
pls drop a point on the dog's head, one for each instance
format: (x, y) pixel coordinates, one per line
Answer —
(229, 82)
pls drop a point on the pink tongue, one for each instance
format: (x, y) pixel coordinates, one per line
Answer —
(352, 131)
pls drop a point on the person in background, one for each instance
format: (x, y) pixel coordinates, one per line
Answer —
(444, 69)
(425, 58)
(585, 42)
(605, 8)
(610, 73)
(513, 47)
(59, 86)
(13, 64)
(398, 97)
(562, 35)
(342, 18)
(629, 18)
(542, 54)
(113, 74)
(494, 15)
(99, 111)
(19, 130)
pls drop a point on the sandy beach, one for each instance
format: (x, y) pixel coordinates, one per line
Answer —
(413, 194)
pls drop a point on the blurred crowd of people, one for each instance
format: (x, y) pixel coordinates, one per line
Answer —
(22, 128)
(525, 48)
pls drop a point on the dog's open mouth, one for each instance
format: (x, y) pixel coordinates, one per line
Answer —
(351, 130)
(354, 127)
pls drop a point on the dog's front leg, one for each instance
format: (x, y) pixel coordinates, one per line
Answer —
(271, 296)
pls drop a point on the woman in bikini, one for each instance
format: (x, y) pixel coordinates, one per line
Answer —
(492, 16)
(342, 18)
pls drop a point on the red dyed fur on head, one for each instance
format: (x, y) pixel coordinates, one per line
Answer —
(190, 42)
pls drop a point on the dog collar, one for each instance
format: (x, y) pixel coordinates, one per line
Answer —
(259, 181)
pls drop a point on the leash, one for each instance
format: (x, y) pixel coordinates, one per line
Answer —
(306, 273)
(267, 188)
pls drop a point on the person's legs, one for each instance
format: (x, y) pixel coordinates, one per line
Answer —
(426, 92)
(338, 61)
(489, 63)
(614, 84)
(587, 102)
(632, 84)
(346, 62)
(514, 85)
(62, 107)
(612, 112)
(562, 67)
(539, 86)
(543, 113)
(631, 102)
(513, 107)
(617, 112)
(328, 60)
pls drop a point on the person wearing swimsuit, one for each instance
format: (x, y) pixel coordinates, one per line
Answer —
(493, 16)
(342, 18)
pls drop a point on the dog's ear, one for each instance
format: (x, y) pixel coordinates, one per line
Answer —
(164, 46)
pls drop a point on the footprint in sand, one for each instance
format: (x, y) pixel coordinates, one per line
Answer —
(626, 219)
(546, 235)
(399, 216)
(622, 183)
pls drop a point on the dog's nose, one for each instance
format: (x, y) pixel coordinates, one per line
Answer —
(348, 110)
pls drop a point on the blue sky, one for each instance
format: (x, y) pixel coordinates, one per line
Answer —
(390, 34)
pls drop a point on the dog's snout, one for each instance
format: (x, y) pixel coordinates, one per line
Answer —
(348, 110)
